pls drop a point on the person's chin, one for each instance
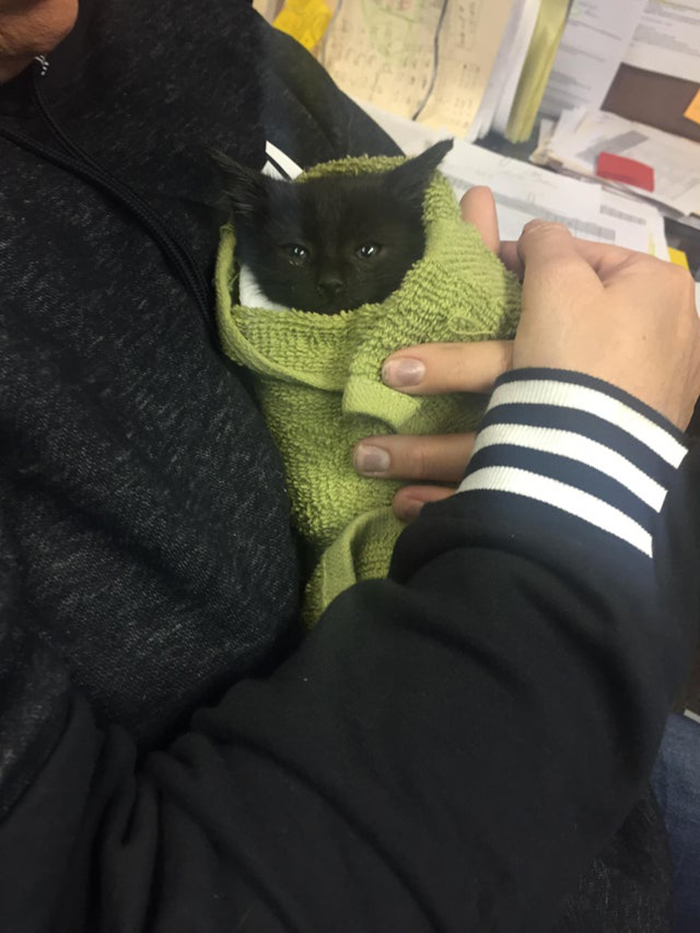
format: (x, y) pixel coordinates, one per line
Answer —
(55, 24)
(47, 24)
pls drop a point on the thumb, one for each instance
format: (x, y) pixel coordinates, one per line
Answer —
(550, 257)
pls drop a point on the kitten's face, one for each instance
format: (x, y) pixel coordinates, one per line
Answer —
(331, 243)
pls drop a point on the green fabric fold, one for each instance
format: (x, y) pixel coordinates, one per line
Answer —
(319, 384)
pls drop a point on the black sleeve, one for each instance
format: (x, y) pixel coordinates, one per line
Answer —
(295, 84)
(450, 746)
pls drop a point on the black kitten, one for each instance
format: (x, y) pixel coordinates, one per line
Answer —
(331, 243)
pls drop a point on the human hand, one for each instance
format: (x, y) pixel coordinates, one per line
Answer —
(621, 316)
(612, 313)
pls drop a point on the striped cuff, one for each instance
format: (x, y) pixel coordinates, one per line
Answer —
(580, 445)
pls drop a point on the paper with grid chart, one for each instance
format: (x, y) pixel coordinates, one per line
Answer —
(383, 51)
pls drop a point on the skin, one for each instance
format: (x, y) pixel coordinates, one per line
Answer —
(29, 28)
(621, 316)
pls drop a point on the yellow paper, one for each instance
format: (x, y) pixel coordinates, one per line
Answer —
(678, 257)
(693, 110)
(538, 65)
(304, 20)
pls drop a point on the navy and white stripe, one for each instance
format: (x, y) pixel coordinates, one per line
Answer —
(279, 164)
(579, 445)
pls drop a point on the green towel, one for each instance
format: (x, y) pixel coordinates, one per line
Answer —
(319, 384)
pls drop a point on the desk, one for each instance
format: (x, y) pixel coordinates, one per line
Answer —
(679, 236)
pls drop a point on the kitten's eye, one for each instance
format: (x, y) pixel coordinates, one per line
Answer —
(296, 252)
(368, 251)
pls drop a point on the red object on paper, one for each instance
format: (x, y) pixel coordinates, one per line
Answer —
(629, 171)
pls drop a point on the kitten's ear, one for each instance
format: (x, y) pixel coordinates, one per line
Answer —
(410, 180)
(245, 189)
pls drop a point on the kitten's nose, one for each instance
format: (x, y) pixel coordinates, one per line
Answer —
(330, 285)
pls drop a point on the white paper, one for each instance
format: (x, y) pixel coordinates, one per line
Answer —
(594, 43)
(636, 223)
(667, 39)
(500, 91)
(515, 63)
(524, 192)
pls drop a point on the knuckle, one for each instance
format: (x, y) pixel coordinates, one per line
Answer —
(680, 277)
(448, 365)
(673, 278)
(542, 228)
(418, 459)
(674, 275)
(641, 261)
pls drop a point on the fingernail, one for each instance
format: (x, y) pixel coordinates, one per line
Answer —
(371, 460)
(412, 508)
(403, 372)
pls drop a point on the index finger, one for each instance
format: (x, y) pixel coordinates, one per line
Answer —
(603, 258)
(479, 208)
(436, 368)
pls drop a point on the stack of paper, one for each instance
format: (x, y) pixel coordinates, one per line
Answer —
(549, 27)
(578, 139)
(468, 67)
(463, 66)
(595, 41)
(422, 59)
(524, 192)
(499, 95)
(653, 35)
